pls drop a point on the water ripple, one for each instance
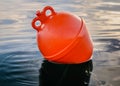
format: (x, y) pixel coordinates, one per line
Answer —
(7, 21)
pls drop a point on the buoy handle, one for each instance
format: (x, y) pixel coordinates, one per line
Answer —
(42, 17)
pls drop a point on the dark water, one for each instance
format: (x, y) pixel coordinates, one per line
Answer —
(20, 59)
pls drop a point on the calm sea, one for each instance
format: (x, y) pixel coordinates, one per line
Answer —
(20, 59)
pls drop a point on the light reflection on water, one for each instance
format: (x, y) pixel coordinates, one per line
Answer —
(19, 55)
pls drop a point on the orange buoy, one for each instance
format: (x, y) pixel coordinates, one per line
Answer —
(62, 37)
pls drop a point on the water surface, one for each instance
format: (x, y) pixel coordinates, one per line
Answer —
(20, 59)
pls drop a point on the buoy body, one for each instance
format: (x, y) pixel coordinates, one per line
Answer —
(62, 37)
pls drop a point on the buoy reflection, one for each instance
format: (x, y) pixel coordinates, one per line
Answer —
(52, 74)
